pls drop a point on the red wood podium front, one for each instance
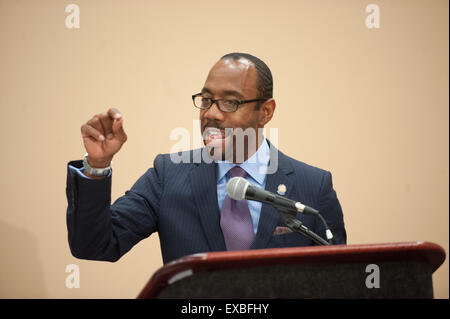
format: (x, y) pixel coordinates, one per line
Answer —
(398, 262)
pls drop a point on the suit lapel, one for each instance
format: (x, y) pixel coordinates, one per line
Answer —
(204, 190)
(270, 217)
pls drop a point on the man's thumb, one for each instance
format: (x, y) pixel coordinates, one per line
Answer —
(117, 128)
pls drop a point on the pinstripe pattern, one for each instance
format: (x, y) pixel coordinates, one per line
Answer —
(179, 201)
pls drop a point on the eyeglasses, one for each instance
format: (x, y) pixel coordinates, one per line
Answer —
(224, 105)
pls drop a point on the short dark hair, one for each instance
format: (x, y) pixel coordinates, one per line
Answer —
(264, 76)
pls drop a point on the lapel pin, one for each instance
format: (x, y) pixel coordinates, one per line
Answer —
(281, 189)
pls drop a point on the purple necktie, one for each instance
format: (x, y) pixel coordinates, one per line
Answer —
(235, 219)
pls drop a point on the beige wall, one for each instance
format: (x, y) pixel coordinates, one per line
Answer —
(370, 105)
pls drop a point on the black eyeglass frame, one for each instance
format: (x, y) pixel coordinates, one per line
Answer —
(238, 102)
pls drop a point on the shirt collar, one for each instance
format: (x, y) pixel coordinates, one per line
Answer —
(256, 166)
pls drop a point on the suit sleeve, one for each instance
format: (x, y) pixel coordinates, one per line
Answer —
(331, 211)
(98, 230)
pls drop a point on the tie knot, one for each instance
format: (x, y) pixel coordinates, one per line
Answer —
(238, 172)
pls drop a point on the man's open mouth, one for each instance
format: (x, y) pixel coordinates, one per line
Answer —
(214, 136)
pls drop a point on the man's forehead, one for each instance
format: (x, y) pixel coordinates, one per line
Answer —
(239, 75)
(241, 63)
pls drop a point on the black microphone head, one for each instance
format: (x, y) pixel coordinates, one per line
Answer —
(237, 187)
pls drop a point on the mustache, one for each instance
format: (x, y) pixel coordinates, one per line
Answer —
(212, 125)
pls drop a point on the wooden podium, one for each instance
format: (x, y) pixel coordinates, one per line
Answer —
(392, 270)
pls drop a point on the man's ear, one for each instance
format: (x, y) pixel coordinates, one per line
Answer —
(266, 111)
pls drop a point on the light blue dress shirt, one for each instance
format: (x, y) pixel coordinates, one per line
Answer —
(256, 168)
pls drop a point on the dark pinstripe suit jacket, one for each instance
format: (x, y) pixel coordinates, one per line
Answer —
(179, 201)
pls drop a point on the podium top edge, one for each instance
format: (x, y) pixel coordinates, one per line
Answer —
(419, 251)
(406, 248)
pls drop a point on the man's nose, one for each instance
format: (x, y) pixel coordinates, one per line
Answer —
(213, 113)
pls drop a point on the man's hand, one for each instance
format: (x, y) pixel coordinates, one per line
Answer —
(103, 136)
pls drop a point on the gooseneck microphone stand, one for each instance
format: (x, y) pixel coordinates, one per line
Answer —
(291, 221)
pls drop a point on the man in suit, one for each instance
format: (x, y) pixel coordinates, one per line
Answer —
(186, 202)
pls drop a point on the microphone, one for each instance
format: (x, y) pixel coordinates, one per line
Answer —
(238, 189)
